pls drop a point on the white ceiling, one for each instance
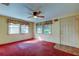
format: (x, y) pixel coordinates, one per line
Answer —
(50, 10)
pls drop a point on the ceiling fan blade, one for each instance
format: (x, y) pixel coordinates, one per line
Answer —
(30, 17)
(6, 4)
(41, 16)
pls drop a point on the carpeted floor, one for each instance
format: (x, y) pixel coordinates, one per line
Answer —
(31, 48)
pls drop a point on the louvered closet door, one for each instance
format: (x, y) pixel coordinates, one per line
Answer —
(68, 31)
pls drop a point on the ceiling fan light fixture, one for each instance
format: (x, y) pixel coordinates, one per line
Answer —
(34, 16)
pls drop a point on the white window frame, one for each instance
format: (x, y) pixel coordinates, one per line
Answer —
(40, 28)
(25, 27)
(9, 26)
(50, 28)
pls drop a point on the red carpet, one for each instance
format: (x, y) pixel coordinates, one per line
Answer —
(31, 48)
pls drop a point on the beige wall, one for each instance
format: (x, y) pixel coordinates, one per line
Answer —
(5, 38)
(65, 31)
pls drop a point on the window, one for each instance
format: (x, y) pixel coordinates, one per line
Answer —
(17, 28)
(24, 29)
(39, 29)
(47, 29)
(44, 27)
(14, 28)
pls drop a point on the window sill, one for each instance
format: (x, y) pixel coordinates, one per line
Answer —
(18, 34)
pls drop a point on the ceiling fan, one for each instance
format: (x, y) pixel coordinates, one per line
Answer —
(35, 13)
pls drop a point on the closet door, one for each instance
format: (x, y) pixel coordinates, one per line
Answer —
(68, 31)
(77, 30)
(56, 32)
